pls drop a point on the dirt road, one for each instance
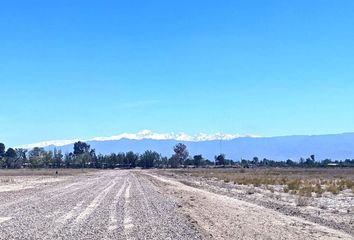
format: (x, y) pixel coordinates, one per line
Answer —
(121, 204)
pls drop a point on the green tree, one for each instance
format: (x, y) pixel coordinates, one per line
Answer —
(255, 161)
(21, 157)
(148, 159)
(2, 155)
(2, 150)
(121, 158)
(47, 159)
(131, 159)
(81, 148)
(197, 160)
(220, 159)
(290, 162)
(310, 162)
(10, 158)
(302, 161)
(94, 160)
(82, 155)
(162, 162)
(57, 158)
(181, 154)
(36, 156)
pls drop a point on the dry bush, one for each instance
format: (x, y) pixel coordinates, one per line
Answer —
(257, 182)
(306, 191)
(345, 184)
(7, 180)
(271, 189)
(294, 184)
(302, 201)
(332, 188)
(301, 181)
(318, 189)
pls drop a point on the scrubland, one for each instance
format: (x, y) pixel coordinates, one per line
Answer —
(324, 196)
(175, 204)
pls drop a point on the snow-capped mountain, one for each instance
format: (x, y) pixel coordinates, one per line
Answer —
(234, 146)
(144, 134)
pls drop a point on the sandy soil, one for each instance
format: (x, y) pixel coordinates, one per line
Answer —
(122, 204)
(333, 211)
(224, 217)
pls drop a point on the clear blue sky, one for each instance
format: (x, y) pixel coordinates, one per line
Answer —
(80, 69)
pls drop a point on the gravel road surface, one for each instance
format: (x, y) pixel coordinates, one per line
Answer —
(122, 204)
(107, 205)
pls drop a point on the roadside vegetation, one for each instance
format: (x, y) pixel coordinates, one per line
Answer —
(83, 156)
(299, 181)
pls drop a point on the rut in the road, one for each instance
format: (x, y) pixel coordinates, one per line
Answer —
(106, 205)
(113, 223)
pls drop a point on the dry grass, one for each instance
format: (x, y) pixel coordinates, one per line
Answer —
(333, 188)
(7, 180)
(302, 201)
(302, 182)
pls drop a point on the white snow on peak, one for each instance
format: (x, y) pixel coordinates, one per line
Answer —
(57, 143)
(146, 134)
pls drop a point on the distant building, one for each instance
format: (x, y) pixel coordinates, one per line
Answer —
(332, 164)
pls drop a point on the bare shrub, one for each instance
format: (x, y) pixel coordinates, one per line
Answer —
(271, 189)
(294, 184)
(318, 190)
(7, 180)
(332, 188)
(306, 191)
(302, 201)
(303, 182)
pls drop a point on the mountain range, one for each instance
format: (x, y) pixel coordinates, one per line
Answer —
(234, 146)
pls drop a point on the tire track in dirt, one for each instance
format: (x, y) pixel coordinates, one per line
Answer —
(113, 224)
(71, 214)
(155, 214)
(46, 194)
(39, 215)
(114, 204)
(127, 222)
(95, 202)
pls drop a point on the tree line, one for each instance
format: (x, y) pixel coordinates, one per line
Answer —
(83, 156)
